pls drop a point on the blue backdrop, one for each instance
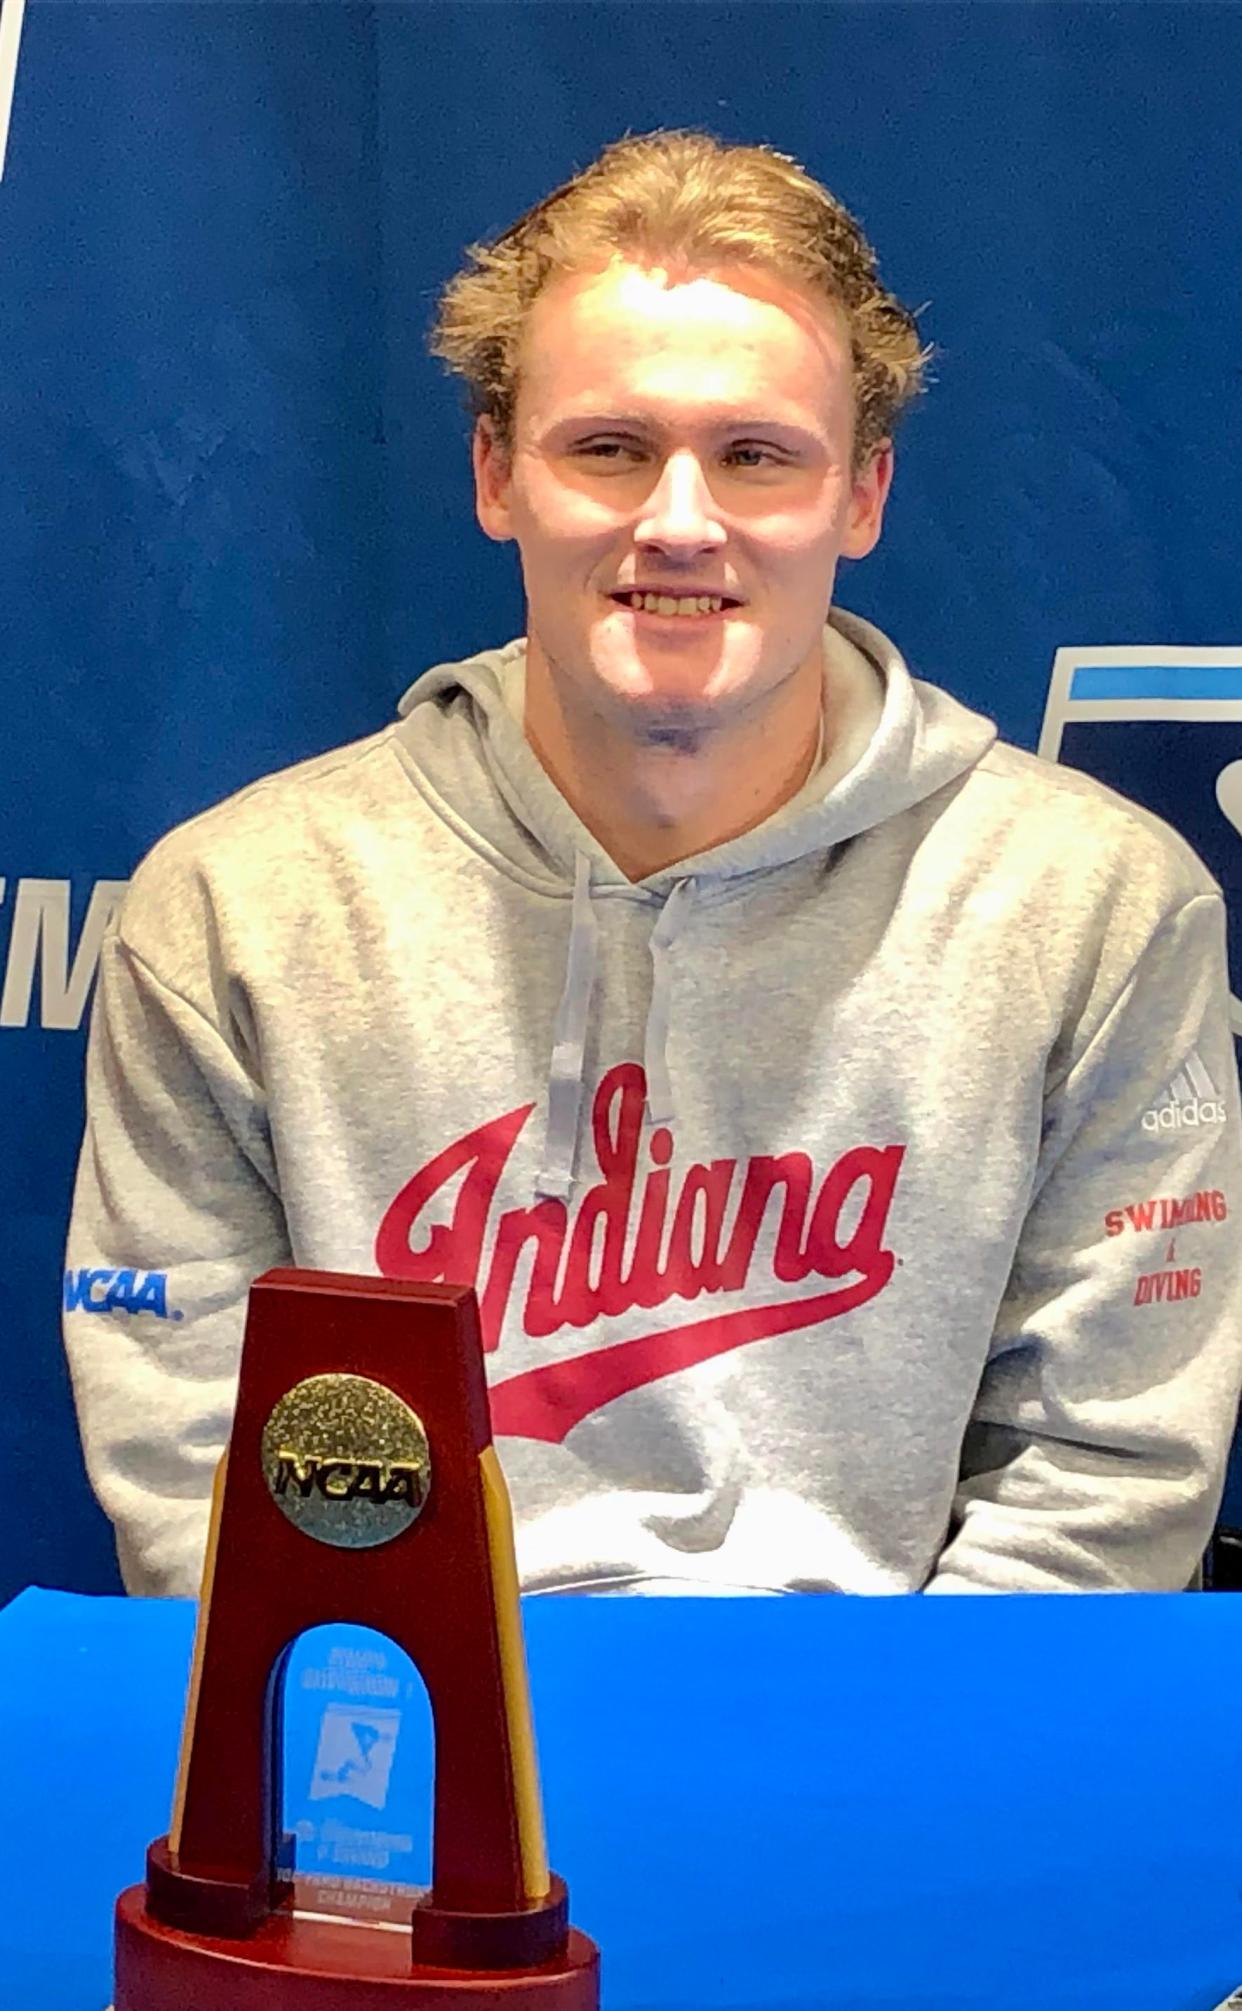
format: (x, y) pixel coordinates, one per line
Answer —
(235, 501)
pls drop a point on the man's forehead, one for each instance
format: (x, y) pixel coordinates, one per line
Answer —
(623, 337)
(628, 298)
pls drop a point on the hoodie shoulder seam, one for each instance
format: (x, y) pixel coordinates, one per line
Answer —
(298, 775)
(1017, 768)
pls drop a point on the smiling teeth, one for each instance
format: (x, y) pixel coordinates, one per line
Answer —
(665, 604)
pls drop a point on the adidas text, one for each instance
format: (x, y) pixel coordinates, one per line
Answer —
(1183, 1116)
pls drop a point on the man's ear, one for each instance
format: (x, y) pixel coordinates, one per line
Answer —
(865, 517)
(492, 477)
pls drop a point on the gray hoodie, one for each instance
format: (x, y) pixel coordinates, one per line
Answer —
(849, 1205)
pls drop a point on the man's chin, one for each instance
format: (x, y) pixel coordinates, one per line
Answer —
(659, 703)
(700, 684)
(641, 704)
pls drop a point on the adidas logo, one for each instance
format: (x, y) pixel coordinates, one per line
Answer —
(1192, 1100)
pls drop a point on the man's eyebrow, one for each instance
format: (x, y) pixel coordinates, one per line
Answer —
(707, 422)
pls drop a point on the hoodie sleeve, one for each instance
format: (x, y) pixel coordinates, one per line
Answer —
(1095, 1456)
(175, 1212)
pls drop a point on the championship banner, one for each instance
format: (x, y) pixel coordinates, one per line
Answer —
(236, 507)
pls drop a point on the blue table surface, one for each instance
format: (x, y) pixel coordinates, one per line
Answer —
(989, 1804)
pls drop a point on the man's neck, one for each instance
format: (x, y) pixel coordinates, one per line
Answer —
(651, 806)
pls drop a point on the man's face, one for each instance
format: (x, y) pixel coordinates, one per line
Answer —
(692, 437)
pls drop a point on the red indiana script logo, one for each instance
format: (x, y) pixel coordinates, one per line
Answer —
(679, 1249)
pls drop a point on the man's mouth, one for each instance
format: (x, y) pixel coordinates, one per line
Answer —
(673, 607)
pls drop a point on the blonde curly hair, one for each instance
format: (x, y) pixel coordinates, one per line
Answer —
(688, 198)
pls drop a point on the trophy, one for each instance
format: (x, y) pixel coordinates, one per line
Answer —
(360, 1484)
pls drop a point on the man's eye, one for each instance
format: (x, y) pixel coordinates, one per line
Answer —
(610, 449)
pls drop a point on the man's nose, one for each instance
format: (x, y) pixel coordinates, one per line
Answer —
(681, 509)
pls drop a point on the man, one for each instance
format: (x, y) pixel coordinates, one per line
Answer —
(834, 1108)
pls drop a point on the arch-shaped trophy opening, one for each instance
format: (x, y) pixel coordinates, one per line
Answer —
(355, 1765)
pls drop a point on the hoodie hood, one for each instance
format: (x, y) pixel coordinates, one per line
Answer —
(466, 747)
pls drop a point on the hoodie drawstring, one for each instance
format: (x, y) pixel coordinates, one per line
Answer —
(655, 1044)
(573, 1016)
(569, 1040)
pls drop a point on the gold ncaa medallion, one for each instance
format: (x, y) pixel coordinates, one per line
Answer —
(346, 1460)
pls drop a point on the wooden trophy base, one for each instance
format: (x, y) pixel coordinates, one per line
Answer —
(303, 1964)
